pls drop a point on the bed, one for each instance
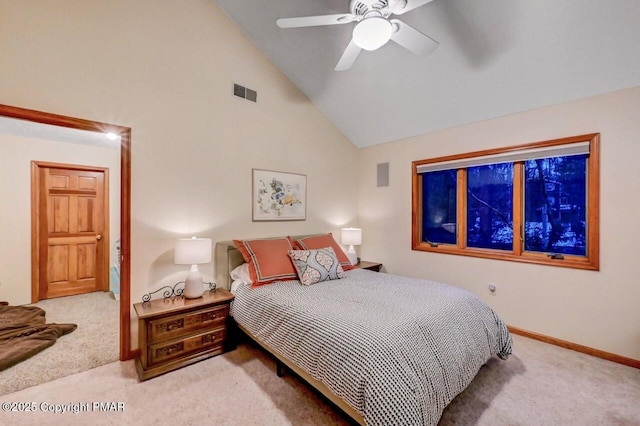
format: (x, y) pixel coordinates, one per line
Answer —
(385, 349)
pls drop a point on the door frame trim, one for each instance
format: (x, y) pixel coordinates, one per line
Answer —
(125, 201)
(36, 170)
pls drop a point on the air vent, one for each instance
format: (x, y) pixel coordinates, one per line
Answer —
(252, 95)
(383, 174)
(245, 93)
(239, 90)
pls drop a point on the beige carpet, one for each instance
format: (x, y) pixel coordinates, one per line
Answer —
(539, 385)
(94, 343)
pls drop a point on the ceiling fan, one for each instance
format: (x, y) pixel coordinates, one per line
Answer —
(373, 29)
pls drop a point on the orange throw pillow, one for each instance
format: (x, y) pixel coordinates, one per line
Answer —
(268, 259)
(315, 242)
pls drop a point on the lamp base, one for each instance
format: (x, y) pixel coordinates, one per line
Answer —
(193, 284)
(352, 255)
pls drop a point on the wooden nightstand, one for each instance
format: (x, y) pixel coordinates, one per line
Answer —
(174, 333)
(372, 266)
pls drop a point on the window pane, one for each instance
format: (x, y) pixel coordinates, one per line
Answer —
(556, 205)
(439, 207)
(490, 206)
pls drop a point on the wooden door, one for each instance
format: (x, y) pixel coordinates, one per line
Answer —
(72, 230)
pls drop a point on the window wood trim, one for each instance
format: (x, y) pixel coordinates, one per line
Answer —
(461, 206)
(591, 261)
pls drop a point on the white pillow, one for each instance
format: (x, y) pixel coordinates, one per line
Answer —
(235, 284)
(241, 273)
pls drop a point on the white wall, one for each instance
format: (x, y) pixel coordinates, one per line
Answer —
(16, 154)
(165, 68)
(596, 309)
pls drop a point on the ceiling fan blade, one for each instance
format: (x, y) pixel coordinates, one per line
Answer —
(348, 57)
(404, 6)
(412, 39)
(314, 21)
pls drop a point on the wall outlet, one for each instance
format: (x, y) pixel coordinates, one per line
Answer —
(492, 288)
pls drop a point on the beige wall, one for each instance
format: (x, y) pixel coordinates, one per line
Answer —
(596, 309)
(165, 68)
(16, 154)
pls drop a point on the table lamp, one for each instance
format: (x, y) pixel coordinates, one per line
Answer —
(351, 237)
(193, 251)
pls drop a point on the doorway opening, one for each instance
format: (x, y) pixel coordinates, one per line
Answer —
(125, 200)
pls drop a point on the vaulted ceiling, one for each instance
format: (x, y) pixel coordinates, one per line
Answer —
(495, 57)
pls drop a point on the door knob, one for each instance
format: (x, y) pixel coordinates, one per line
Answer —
(98, 237)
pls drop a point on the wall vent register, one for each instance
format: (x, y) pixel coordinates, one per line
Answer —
(245, 93)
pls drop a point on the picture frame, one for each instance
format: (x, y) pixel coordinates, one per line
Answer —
(278, 196)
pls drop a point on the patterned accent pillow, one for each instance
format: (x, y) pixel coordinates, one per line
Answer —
(318, 265)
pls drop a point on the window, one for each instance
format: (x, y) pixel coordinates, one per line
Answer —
(555, 202)
(535, 203)
(490, 206)
(439, 192)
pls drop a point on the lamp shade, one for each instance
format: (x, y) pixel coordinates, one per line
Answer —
(192, 251)
(372, 33)
(351, 236)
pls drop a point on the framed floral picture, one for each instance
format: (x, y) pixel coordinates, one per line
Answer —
(279, 196)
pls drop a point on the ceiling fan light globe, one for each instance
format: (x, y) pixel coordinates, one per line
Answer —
(372, 33)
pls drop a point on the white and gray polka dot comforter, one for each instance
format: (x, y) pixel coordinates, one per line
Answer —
(396, 349)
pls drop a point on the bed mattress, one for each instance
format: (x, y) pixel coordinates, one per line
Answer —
(394, 348)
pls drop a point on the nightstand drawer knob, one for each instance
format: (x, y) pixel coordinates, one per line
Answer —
(210, 316)
(168, 350)
(170, 326)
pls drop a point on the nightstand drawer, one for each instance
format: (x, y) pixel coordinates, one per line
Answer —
(166, 351)
(176, 332)
(180, 324)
